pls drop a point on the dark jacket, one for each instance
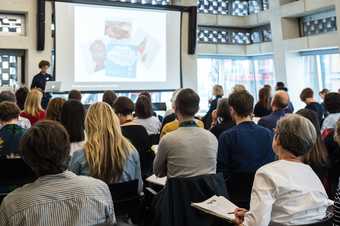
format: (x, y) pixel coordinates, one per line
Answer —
(270, 121)
(261, 111)
(221, 127)
(318, 108)
(244, 148)
(173, 204)
(10, 136)
(207, 118)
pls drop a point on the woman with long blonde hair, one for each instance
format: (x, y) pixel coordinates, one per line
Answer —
(107, 154)
(32, 108)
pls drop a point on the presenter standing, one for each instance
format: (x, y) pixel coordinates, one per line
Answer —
(39, 81)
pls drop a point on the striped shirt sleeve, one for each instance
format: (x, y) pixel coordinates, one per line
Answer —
(336, 217)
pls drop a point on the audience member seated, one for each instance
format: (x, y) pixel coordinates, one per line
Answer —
(107, 155)
(333, 150)
(144, 115)
(247, 146)
(281, 86)
(33, 110)
(307, 96)
(263, 107)
(9, 96)
(174, 125)
(10, 132)
(57, 197)
(109, 97)
(54, 108)
(221, 118)
(170, 115)
(238, 88)
(322, 95)
(279, 105)
(336, 217)
(74, 95)
(332, 105)
(317, 158)
(137, 134)
(73, 117)
(189, 151)
(218, 93)
(21, 95)
(287, 192)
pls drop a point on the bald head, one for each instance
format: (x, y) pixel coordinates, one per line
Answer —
(280, 100)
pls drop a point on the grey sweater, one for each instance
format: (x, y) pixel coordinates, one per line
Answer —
(186, 152)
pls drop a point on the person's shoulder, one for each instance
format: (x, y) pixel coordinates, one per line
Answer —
(270, 168)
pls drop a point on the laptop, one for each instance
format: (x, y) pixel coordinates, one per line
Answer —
(53, 86)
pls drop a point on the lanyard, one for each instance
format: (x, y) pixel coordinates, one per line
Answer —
(190, 123)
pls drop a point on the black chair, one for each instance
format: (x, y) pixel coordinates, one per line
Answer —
(14, 173)
(239, 187)
(126, 199)
(172, 205)
(154, 139)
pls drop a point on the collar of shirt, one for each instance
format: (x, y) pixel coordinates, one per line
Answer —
(65, 174)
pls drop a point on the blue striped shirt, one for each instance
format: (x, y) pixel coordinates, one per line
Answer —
(59, 200)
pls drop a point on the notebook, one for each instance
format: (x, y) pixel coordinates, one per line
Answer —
(218, 206)
(156, 180)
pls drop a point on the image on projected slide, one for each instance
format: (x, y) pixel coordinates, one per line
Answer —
(119, 45)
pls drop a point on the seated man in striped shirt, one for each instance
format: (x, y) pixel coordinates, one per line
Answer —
(58, 197)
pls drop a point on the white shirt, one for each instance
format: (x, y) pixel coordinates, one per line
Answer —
(24, 123)
(152, 124)
(287, 193)
(330, 121)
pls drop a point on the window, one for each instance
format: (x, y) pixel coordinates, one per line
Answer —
(322, 70)
(252, 72)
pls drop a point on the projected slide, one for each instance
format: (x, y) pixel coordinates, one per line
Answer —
(116, 45)
(120, 48)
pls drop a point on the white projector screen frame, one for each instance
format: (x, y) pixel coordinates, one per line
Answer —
(66, 51)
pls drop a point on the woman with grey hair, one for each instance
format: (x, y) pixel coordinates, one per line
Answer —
(287, 191)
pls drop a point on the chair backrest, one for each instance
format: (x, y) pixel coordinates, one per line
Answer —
(239, 187)
(15, 172)
(173, 204)
(124, 191)
(154, 139)
(325, 222)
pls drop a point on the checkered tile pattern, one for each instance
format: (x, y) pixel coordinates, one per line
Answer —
(241, 38)
(12, 24)
(240, 8)
(213, 35)
(152, 2)
(8, 70)
(254, 6)
(220, 7)
(221, 35)
(319, 26)
(232, 7)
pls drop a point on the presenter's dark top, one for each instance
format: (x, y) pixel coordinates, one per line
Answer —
(39, 81)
